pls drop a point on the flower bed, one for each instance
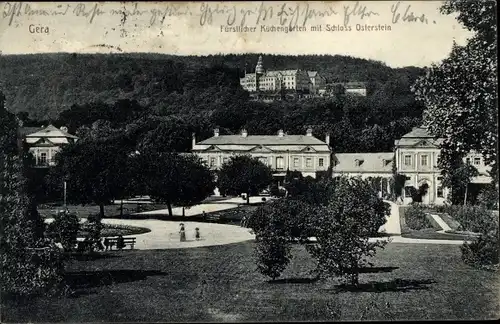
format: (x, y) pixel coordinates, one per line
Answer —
(111, 230)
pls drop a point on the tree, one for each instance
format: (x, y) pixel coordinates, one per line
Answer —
(171, 135)
(29, 264)
(95, 171)
(243, 173)
(458, 179)
(344, 226)
(276, 226)
(460, 94)
(174, 179)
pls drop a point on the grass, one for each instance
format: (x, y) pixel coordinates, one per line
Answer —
(110, 211)
(220, 283)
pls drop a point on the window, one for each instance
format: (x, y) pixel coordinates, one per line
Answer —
(279, 163)
(407, 160)
(212, 161)
(43, 158)
(296, 162)
(467, 160)
(423, 160)
(440, 193)
(321, 162)
(309, 162)
(477, 161)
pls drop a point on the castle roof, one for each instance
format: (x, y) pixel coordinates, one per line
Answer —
(363, 162)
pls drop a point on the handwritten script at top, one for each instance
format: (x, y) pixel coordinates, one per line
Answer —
(285, 14)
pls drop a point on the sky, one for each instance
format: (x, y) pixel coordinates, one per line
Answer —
(415, 33)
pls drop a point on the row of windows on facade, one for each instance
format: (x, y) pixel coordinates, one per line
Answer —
(424, 160)
(280, 162)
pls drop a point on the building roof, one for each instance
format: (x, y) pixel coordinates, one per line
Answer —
(355, 85)
(418, 136)
(263, 140)
(281, 72)
(50, 131)
(369, 162)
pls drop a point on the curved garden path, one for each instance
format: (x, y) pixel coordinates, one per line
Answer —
(165, 234)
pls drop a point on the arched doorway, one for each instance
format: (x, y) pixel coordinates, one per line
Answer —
(424, 191)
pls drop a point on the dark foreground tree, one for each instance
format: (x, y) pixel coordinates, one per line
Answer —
(173, 179)
(244, 174)
(344, 226)
(29, 264)
(458, 180)
(95, 172)
(460, 93)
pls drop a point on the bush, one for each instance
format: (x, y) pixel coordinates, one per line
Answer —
(488, 198)
(273, 254)
(473, 218)
(33, 271)
(415, 218)
(482, 251)
(64, 228)
(93, 227)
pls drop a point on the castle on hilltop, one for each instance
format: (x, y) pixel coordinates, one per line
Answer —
(300, 81)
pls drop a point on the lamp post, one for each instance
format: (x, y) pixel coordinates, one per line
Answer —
(65, 195)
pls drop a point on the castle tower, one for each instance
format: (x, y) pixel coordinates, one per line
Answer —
(259, 71)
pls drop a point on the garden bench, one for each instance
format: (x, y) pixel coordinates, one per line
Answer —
(126, 241)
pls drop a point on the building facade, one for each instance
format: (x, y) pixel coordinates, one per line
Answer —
(416, 158)
(272, 81)
(45, 142)
(304, 153)
(317, 82)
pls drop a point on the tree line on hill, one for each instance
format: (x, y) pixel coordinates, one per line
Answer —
(204, 98)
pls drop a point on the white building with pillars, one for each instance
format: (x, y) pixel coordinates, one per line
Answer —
(281, 152)
(45, 142)
(416, 158)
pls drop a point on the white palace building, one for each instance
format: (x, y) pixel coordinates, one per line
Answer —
(415, 156)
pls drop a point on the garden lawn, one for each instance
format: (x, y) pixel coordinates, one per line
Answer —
(219, 283)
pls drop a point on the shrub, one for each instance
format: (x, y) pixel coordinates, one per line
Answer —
(273, 254)
(93, 227)
(65, 228)
(415, 218)
(483, 250)
(488, 198)
(472, 218)
(33, 271)
(343, 229)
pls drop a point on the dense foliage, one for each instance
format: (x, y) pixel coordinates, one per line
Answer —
(29, 263)
(133, 91)
(342, 227)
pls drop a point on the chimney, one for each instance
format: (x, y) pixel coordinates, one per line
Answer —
(280, 133)
(327, 139)
(193, 140)
(309, 132)
(216, 132)
(244, 133)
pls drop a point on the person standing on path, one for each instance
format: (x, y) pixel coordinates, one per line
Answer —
(197, 234)
(183, 233)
